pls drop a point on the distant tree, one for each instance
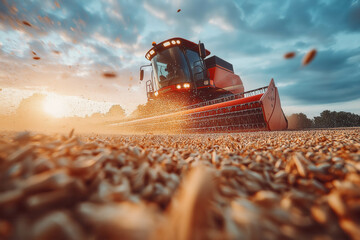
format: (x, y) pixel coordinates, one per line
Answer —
(158, 106)
(299, 121)
(149, 108)
(30, 113)
(325, 120)
(143, 110)
(116, 111)
(328, 119)
(31, 107)
(97, 115)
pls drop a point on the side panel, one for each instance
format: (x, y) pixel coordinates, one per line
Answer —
(271, 105)
(226, 80)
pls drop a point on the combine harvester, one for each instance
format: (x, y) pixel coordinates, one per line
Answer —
(208, 95)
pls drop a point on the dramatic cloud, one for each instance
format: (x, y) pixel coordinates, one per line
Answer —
(77, 41)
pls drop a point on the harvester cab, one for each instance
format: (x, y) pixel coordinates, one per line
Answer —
(212, 96)
(181, 70)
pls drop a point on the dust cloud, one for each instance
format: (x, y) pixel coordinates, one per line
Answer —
(31, 116)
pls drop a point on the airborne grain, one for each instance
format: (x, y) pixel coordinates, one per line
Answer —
(309, 57)
(26, 23)
(109, 74)
(289, 55)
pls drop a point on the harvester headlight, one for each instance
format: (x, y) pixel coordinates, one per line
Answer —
(173, 42)
(152, 52)
(166, 44)
(186, 85)
(148, 56)
(178, 86)
(178, 41)
(156, 93)
(206, 82)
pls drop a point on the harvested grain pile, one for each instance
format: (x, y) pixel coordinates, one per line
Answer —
(265, 185)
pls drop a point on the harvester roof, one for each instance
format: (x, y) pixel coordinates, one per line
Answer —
(171, 43)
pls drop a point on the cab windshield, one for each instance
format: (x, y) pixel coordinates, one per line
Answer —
(170, 68)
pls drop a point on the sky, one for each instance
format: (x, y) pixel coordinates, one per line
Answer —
(78, 41)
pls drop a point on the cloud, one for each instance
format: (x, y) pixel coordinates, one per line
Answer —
(353, 19)
(330, 78)
(113, 35)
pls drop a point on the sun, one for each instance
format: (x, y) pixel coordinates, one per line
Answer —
(55, 106)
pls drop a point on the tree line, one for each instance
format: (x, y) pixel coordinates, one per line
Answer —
(327, 119)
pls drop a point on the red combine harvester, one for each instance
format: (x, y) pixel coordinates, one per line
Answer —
(211, 96)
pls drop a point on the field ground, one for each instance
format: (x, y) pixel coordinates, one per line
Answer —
(258, 185)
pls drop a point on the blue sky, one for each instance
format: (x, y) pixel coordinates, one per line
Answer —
(79, 40)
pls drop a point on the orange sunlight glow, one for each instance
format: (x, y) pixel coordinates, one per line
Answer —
(55, 106)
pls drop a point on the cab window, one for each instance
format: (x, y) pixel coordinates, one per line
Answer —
(196, 65)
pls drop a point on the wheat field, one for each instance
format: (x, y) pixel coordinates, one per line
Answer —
(258, 185)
